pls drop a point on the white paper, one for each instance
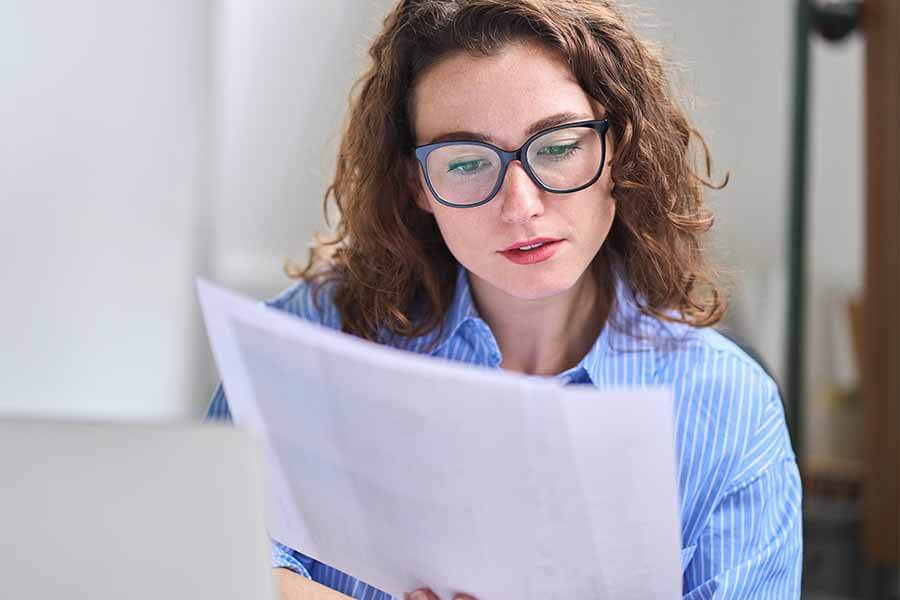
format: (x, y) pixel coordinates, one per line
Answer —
(408, 471)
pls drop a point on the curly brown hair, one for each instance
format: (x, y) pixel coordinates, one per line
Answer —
(392, 272)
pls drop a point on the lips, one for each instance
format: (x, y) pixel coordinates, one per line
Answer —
(525, 244)
(533, 252)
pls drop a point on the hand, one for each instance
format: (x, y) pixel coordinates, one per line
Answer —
(426, 594)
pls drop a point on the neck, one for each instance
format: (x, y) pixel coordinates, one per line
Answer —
(545, 336)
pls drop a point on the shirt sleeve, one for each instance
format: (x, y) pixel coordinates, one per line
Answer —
(752, 543)
(286, 558)
(218, 407)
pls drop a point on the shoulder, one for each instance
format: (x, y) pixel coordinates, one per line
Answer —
(729, 418)
(680, 355)
(706, 354)
(669, 352)
(705, 358)
(309, 301)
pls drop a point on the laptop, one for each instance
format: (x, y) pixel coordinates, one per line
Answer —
(114, 511)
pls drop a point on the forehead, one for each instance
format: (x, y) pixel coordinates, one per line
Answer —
(499, 96)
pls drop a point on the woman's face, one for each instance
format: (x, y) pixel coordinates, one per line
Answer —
(501, 98)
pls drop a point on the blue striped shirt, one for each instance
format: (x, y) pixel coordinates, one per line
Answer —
(738, 481)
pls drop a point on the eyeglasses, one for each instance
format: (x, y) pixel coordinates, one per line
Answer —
(561, 160)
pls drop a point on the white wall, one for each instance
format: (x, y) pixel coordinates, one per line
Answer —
(287, 68)
(103, 121)
(736, 60)
(282, 80)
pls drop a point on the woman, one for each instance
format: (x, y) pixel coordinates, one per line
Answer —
(517, 188)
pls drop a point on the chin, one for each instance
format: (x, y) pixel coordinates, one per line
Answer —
(534, 285)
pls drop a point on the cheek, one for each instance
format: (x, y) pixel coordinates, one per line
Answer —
(458, 226)
(601, 222)
(469, 235)
(597, 207)
(605, 202)
(610, 208)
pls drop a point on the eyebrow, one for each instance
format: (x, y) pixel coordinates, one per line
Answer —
(545, 123)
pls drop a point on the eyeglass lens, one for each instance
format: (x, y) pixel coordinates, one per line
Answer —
(563, 159)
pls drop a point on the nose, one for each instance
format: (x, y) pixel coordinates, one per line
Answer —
(521, 197)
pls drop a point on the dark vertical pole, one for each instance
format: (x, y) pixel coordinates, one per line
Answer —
(796, 330)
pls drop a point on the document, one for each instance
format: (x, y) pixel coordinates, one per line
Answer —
(409, 471)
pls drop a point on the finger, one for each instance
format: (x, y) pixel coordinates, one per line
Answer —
(422, 594)
(464, 597)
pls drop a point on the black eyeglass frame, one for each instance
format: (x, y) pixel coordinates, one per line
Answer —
(601, 126)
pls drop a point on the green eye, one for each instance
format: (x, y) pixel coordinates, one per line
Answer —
(466, 166)
(558, 149)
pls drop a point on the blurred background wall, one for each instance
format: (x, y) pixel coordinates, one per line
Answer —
(104, 130)
(144, 143)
